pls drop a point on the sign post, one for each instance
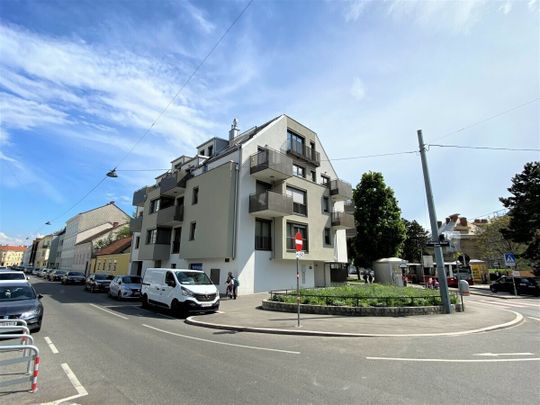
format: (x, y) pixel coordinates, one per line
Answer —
(510, 261)
(299, 244)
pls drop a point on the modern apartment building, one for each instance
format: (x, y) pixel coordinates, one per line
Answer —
(83, 226)
(11, 255)
(237, 205)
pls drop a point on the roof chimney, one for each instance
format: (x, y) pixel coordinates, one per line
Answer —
(463, 221)
(233, 133)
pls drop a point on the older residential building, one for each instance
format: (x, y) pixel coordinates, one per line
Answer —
(53, 251)
(85, 249)
(85, 225)
(114, 258)
(42, 251)
(463, 236)
(11, 255)
(237, 206)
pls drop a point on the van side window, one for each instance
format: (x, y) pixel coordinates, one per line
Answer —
(169, 279)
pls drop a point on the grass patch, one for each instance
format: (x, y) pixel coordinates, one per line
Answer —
(365, 295)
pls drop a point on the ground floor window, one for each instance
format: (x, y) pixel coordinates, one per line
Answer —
(263, 234)
(292, 229)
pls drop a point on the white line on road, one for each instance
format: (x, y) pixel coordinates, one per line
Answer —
(532, 317)
(453, 360)
(503, 354)
(81, 391)
(51, 345)
(109, 312)
(503, 304)
(220, 343)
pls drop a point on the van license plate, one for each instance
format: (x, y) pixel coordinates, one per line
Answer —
(206, 304)
(9, 323)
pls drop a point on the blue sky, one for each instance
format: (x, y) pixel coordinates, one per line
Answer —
(81, 81)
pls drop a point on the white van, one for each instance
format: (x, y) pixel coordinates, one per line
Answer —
(180, 290)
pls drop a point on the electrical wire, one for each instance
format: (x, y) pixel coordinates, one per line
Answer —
(485, 148)
(488, 118)
(369, 156)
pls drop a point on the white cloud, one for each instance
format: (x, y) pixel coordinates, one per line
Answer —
(506, 7)
(198, 15)
(354, 9)
(11, 240)
(358, 89)
(25, 114)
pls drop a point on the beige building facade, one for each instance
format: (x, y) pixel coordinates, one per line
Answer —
(11, 255)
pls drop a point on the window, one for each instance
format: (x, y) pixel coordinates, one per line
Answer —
(151, 236)
(313, 176)
(326, 204)
(169, 279)
(298, 171)
(137, 242)
(210, 150)
(327, 239)
(192, 230)
(173, 265)
(299, 200)
(295, 143)
(263, 235)
(176, 240)
(154, 206)
(195, 198)
(292, 228)
(325, 180)
(201, 152)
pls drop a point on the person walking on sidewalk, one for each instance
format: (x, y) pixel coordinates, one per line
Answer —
(230, 285)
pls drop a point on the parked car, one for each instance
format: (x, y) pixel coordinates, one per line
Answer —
(12, 275)
(98, 282)
(42, 272)
(56, 275)
(180, 290)
(125, 287)
(524, 285)
(73, 277)
(19, 300)
(35, 271)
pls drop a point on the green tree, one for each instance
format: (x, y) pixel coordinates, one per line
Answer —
(524, 211)
(416, 238)
(380, 230)
(123, 232)
(493, 244)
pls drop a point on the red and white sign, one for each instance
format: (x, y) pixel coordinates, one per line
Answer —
(298, 241)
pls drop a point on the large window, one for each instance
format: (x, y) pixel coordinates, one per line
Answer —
(326, 204)
(263, 234)
(195, 198)
(298, 171)
(154, 206)
(192, 230)
(176, 240)
(325, 180)
(327, 236)
(295, 143)
(292, 228)
(151, 236)
(299, 200)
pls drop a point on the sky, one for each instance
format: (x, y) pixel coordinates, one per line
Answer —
(83, 82)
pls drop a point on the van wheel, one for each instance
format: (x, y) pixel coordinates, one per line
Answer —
(145, 301)
(178, 309)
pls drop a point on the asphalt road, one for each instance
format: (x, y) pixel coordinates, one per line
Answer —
(119, 353)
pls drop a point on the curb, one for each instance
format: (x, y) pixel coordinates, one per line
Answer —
(190, 321)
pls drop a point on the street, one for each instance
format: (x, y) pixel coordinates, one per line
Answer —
(98, 350)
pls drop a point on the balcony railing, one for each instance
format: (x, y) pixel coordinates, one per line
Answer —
(342, 220)
(270, 203)
(272, 164)
(177, 179)
(305, 153)
(139, 196)
(340, 189)
(135, 224)
(169, 215)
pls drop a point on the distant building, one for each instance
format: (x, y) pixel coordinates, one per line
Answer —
(11, 255)
(53, 251)
(463, 236)
(86, 224)
(113, 259)
(42, 251)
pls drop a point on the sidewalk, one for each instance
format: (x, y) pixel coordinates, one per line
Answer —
(243, 315)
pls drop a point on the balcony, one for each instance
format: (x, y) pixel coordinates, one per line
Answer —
(270, 165)
(135, 224)
(154, 251)
(172, 215)
(349, 207)
(305, 153)
(139, 197)
(342, 220)
(173, 184)
(270, 205)
(340, 190)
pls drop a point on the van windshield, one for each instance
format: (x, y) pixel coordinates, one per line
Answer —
(192, 278)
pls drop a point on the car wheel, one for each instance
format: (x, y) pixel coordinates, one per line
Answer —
(92, 289)
(144, 301)
(119, 296)
(493, 289)
(178, 309)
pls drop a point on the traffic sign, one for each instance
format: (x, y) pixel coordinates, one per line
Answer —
(298, 241)
(509, 259)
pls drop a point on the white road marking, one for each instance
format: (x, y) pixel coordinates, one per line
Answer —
(220, 343)
(503, 304)
(532, 317)
(51, 345)
(454, 360)
(109, 312)
(81, 391)
(503, 354)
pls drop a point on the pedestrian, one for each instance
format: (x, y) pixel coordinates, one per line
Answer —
(236, 284)
(365, 276)
(371, 277)
(230, 285)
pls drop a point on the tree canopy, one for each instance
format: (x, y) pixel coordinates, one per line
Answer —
(380, 230)
(492, 243)
(524, 211)
(416, 238)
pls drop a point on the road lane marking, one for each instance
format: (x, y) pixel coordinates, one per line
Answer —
(453, 360)
(109, 312)
(503, 304)
(503, 354)
(220, 343)
(81, 391)
(532, 317)
(51, 345)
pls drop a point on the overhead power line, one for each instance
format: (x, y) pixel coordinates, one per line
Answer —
(370, 156)
(488, 118)
(485, 148)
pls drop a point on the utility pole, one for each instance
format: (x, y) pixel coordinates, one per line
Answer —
(441, 274)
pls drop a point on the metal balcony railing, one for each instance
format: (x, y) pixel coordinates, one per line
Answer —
(278, 204)
(139, 197)
(342, 220)
(340, 189)
(135, 224)
(273, 160)
(305, 153)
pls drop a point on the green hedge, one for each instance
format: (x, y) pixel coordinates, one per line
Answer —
(372, 295)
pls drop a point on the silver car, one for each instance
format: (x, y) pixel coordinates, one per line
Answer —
(125, 287)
